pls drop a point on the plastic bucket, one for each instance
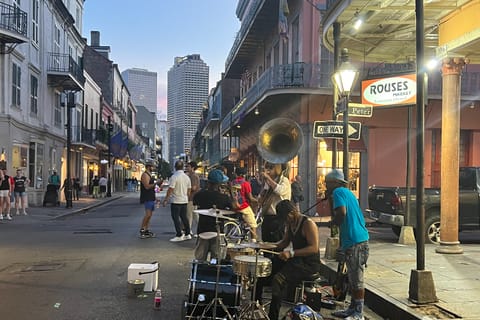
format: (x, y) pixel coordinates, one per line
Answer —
(135, 287)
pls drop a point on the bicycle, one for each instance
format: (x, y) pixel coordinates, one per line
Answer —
(238, 231)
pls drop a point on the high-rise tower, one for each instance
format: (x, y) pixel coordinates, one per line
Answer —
(142, 85)
(187, 92)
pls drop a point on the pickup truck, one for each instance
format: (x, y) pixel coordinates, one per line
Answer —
(387, 205)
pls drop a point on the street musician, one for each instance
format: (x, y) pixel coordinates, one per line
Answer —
(276, 188)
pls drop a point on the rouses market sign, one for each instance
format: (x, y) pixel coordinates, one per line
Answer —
(396, 90)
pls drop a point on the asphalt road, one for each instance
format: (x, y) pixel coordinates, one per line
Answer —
(76, 267)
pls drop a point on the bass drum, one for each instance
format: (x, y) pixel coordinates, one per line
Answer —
(201, 291)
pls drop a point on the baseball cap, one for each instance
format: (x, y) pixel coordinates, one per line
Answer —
(335, 175)
(217, 176)
(150, 162)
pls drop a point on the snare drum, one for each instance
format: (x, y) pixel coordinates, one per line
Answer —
(245, 266)
(203, 282)
(238, 250)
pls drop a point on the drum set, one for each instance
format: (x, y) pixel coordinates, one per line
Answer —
(220, 290)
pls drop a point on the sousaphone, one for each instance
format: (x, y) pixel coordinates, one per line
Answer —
(279, 140)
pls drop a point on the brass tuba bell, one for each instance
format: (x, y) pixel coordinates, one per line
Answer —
(279, 140)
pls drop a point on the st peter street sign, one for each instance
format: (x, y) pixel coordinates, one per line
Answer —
(334, 129)
(360, 110)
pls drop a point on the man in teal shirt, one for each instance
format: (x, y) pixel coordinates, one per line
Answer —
(353, 240)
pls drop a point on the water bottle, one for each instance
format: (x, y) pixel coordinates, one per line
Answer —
(157, 300)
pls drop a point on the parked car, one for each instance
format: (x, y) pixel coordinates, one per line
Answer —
(387, 205)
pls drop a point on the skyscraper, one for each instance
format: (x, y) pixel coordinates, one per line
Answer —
(142, 85)
(187, 91)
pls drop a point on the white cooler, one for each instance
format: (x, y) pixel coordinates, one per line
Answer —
(148, 272)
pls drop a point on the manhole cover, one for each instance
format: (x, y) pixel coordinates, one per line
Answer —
(92, 231)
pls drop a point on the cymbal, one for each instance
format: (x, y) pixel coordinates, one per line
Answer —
(210, 212)
(214, 214)
(258, 245)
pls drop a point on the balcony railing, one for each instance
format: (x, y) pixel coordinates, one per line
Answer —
(59, 64)
(89, 136)
(12, 20)
(244, 28)
(297, 75)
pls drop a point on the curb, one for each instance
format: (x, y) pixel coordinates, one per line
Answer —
(378, 301)
(85, 209)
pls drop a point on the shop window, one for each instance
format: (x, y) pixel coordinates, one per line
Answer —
(35, 165)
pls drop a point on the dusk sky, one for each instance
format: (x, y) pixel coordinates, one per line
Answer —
(148, 34)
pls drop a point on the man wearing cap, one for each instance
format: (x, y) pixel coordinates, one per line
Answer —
(353, 241)
(208, 199)
(147, 197)
(178, 190)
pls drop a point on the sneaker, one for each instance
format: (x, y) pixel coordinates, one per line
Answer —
(177, 239)
(343, 313)
(9, 217)
(187, 237)
(1, 216)
(17, 213)
(355, 316)
(149, 234)
(143, 235)
(25, 213)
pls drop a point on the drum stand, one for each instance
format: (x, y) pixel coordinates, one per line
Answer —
(253, 310)
(217, 301)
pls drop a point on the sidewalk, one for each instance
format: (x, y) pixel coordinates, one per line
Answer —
(78, 206)
(456, 279)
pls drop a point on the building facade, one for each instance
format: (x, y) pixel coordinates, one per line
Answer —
(187, 91)
(41, 50)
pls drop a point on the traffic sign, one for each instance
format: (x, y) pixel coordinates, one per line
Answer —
(334, 129)
(360, 110)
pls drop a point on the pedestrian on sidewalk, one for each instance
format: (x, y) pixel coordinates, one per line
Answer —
(147, 197)
(20, 190)
(353, 241)
(5, 194)
(96, 187)
(102, 183)
(297, 191)
(179, 189)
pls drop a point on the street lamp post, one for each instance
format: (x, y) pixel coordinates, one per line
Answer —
(344, 79)
(109, 168)
(70, 104)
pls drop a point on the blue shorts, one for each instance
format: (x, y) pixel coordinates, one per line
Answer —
(149, 205)
(20, 194)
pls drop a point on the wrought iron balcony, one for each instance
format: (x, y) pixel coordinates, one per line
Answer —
(64, 72)
(290, 78)
(13, 24)
(89, 137)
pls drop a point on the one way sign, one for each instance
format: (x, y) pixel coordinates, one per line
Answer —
(334, 129)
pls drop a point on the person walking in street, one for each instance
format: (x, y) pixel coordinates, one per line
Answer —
(353, 241)
(102, 183)
(179, 190)
(20, 190)
(5, 194)
(245, 199)
(297, 191)
(195, 187)
(275, 189)
(210, 198)
(147, 197)
(301, 261)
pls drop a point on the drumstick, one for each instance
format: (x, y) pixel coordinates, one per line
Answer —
(268, 251)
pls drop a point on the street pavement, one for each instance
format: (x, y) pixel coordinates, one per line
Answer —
(456, 279)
